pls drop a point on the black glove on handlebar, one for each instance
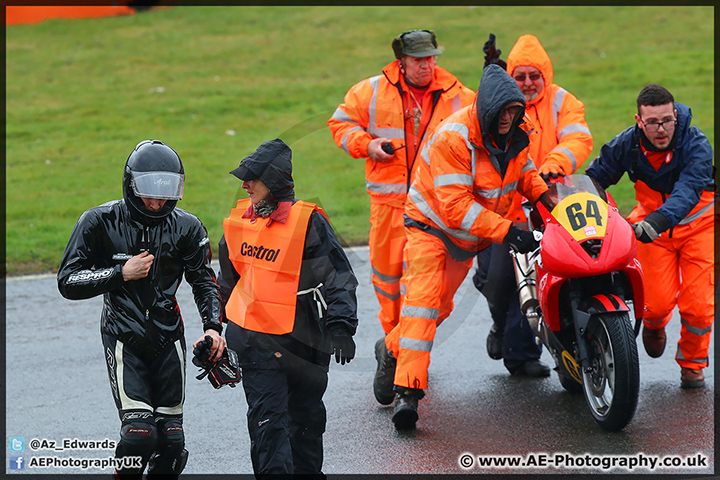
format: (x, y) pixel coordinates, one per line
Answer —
(520, 240)
(343, 345)
(550, 177)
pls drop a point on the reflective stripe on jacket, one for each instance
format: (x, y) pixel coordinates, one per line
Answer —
(560, 135)
(268, 261)
(375, 107)
(458, 188)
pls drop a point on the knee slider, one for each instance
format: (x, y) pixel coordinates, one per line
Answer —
(170, 457)
(170, 434)
(137, 439)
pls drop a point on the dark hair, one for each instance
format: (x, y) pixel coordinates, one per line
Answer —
(653, 95)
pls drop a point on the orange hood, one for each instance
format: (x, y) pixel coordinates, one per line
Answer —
(527, 51)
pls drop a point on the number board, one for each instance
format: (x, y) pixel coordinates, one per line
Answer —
(582, 214)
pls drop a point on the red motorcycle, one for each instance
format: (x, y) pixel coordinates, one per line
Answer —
(578, 290)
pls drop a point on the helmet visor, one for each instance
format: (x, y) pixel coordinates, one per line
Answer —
(161, 185)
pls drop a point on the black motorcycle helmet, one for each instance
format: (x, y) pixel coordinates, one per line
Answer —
(153, 170)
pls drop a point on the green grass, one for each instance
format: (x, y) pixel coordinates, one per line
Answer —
(81, 93)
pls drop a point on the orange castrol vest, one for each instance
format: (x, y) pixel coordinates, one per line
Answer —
(268, 260)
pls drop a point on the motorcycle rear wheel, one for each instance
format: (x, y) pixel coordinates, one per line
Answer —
(612, 385)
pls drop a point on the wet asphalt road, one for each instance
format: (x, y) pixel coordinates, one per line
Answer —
(57, 388)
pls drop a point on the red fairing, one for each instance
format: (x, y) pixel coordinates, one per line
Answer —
(565, 257)
(548, 286)
(634, 273)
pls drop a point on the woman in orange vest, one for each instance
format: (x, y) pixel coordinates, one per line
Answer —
(289, 295)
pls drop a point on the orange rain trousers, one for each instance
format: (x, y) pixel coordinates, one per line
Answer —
(680, 271)
(387, 241)
(432, 278)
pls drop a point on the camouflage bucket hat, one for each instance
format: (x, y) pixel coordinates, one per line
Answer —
(416, 43)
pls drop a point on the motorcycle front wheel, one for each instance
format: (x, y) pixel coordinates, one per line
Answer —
(612, 385)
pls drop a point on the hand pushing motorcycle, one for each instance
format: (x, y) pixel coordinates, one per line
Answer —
(578, 290)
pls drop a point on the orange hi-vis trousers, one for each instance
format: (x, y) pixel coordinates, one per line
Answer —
(432, 278)
(679, 270)
(387, 241)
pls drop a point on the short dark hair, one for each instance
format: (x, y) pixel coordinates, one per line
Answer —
(653, 95)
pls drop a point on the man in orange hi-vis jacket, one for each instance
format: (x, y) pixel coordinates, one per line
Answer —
(670, 163)
(465, 182)
(398, 109)
(560, 142)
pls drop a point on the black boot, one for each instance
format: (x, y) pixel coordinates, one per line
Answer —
(385, 374)
(495, 342)
(406, 404)
(531, 368)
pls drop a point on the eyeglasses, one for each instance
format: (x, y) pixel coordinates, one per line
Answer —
(512, 111)
(534, 77)
(654, 127)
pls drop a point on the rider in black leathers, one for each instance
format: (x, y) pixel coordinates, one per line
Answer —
(109, 250)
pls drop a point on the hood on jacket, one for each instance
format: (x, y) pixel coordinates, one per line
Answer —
(527, 51)
(684, 117)
(271, 163)
(497, 89)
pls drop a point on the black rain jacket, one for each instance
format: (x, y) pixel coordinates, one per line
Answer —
(141, 313)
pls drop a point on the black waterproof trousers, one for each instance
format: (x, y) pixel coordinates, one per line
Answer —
(495, 279)
(286, 416)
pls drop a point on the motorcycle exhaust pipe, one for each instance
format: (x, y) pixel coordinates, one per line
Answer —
(533, 318)
(526, 289)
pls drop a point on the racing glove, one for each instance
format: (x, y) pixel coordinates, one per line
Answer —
(492, 54)
(550, 170)
(649, 229)
(225, 371)
(521, 240)
(342, 344)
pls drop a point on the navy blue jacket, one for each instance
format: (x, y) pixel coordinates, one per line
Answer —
(683, 179)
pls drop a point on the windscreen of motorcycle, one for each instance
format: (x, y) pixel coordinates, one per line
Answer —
(583, 214)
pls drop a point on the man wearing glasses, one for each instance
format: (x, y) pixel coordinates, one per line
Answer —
(560, 141)
(670, 163)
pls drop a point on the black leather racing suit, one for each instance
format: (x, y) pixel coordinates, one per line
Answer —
(142, 329)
